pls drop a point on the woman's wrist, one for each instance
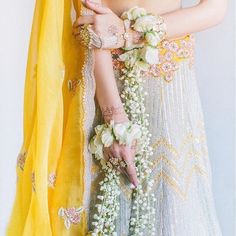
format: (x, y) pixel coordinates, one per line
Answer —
(117, 114)
(130, 37)
(142, 28)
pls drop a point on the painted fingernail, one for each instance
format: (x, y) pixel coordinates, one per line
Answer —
(132, 186)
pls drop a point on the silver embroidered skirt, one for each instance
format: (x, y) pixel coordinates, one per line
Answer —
(182, 173)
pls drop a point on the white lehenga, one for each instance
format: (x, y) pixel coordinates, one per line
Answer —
(182, 174)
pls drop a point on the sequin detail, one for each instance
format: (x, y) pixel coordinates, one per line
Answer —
(70, 215)
(171, 53)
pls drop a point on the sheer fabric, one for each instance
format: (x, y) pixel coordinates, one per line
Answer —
(50, 166)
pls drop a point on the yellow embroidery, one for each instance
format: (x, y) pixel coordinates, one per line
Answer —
(181, 192)
(162, 142)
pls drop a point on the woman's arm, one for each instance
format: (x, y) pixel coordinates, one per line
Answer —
(204, 15)
(110, 103)
(106, 88)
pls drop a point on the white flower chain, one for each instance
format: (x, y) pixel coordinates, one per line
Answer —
(108, 209)
(135, 60)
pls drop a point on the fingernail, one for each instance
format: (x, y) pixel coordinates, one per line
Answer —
(132, 186)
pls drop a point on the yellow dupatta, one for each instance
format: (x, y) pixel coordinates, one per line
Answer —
(51, 166)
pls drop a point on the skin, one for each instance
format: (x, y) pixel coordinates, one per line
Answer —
(179, 21)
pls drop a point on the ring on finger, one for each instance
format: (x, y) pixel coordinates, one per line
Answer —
(124, 164)
(114, 161)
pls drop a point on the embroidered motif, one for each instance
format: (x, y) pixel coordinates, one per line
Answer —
(182, 191)
(33, 181)
(171, 53)
(51, 180)
(21, 160)
(70, 215)
(175, 171)
(178, 172)
(73, 85)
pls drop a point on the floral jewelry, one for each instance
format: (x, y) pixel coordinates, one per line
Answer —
(125, 133)
(136, 59)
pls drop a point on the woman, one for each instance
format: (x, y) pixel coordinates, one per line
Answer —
(70, 89)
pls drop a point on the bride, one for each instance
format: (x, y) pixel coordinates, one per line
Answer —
(114, 139)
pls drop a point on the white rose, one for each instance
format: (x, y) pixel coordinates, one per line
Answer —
(134, 132)
(99, 152)
(92, 146)
(152, 38)
(125, 56)
(99, 129)
(127, 14)
(96, 146)
(145, 23)
(107, 137)
(150, 55)
(120, 132)
(130, 57)
(143, 66)
(137, 12)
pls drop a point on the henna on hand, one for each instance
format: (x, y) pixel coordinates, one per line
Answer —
(114, 113)
(113, 30)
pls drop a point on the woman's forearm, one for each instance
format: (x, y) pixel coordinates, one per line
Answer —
(107, 93)
(204, 15)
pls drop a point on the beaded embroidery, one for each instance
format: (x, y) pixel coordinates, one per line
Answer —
(70, 215)
(171, 53)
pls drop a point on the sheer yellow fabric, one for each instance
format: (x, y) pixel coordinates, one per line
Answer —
(53, 146)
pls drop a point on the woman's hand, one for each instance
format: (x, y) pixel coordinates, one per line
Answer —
(104, 23)
(117, 152)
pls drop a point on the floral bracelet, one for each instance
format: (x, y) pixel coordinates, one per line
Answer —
(125, 133)
(153, 28)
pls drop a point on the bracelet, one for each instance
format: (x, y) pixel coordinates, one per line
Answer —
(126, 35)
(152, 27)
(124, 133)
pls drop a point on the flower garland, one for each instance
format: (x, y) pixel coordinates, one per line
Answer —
(136, 60)
(108, 209)
(106, 134)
